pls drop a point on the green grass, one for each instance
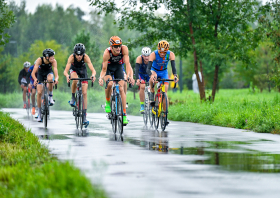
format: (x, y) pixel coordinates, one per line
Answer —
(240, 108)
(28, 170)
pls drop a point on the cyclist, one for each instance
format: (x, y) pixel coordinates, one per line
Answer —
(113, 58)
(77, 65)
(23, 80)
(141, 74)
(32, 87)
(44, 67)
(157, 67)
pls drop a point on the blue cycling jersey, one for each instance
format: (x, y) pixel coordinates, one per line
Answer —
(143, 67)
(160, 64)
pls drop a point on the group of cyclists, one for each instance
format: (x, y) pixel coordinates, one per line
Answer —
(148, 68)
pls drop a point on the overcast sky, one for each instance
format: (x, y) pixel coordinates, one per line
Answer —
(83, 4)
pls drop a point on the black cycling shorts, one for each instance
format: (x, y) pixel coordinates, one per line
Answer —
(43, 74)
(116, 71)
(81, 71)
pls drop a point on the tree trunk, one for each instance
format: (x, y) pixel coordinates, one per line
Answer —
(215, 83)
(202, 76)
(200, 84)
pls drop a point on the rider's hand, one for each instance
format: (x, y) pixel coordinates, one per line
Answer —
(131, 81)
(68, 79)
(153, 78)
(56, 81)
(92, 78)
(176, 79)
(22, 86)
(138, 82)
(36, 82)
(100, 82)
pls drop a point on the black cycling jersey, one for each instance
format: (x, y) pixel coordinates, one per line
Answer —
(115, 60)
(45, 66)
(77, 63)
(23, 74)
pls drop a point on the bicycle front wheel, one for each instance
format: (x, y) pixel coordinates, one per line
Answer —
(163, 115)
(76, 112)
(46, 108)
(81, 107)
(120, 115)
(156, 110)
(146, 112)
(113, 114)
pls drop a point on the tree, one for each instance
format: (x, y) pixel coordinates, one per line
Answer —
(216, 29)
(7, 18)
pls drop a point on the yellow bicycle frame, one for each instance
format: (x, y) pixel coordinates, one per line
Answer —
(162, 88)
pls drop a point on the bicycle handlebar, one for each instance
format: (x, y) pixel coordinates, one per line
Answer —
(159, 79)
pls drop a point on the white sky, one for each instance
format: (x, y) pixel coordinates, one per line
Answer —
(83, 4)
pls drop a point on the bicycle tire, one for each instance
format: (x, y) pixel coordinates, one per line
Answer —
(46, 109)
(76, 112)
(113, 114)
(119, 114)
(156, 109)
(81, 106)
(146, 110)
(163, 120)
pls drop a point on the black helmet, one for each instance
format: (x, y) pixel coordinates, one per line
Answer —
(48, 52)
(79, 49)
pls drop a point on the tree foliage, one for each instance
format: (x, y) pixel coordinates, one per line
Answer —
(7, 18)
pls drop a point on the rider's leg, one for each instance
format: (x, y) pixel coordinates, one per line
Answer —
(39, 98)
(33, 100)
(108, 92)
(123, 96)
(84, 91)
(166, 89)
(142, 96)
(73, 87)
(24, 90)
(50, 79)
(152, 95)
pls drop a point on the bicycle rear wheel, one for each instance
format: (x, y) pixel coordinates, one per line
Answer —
(163, 115)
(120, 115)
(113, 114)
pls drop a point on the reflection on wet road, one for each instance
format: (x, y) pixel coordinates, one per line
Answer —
(188, 160)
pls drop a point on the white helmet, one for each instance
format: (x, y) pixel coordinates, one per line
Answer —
(146, 51)
(26, 64)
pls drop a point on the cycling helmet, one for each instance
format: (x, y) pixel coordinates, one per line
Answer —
(26, 64)
(48, 52)
(146, 51)
(163, 46)
(79, 49)
(115, 40)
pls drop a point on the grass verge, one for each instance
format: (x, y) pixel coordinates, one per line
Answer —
(28, 170)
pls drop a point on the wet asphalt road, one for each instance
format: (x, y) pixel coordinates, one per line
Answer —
(188, 160)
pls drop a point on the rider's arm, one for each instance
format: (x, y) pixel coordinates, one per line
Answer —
(172, 60)
(126, 61)
(106, 57)
(20, 77)
(68, 65)
(88, 61)
(151, 60)
(137, 66)
(35, 69)
(55, 70)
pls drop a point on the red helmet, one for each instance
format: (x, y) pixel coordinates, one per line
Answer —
(115, 40)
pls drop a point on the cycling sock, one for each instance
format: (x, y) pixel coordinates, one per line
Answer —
(85, 112)
(141, 103)
(73, 95)
(124, 111)
(108, 99)
(50, 93)
(39, 111)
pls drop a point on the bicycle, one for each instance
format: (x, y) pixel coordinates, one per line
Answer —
(158, 113)
(116, 115)
(147, 114)
(79, 101)
(45, 109)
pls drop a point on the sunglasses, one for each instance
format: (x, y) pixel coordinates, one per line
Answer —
(117, 46)
(79, 55)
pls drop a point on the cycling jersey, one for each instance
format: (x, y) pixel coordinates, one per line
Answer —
(23, 77)
(30, 76)
(115, 60)
(143, 67)
(115, 63)
(44, 70)
(160, 64)
(79, 68)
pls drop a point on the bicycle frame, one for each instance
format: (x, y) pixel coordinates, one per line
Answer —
(160, 90)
